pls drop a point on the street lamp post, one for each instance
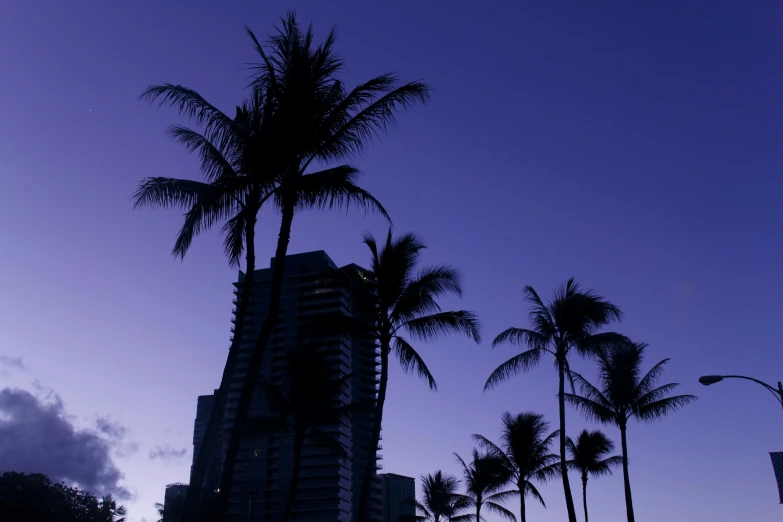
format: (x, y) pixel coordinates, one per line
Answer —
(777, 457)
(712, 379)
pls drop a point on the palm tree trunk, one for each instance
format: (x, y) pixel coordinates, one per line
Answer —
(478, 511)
(364, 498)
(254, 365)
(584, 493)
(626, 478)
(298, 443)
(522, 515)
(563, 468)
(193, 509)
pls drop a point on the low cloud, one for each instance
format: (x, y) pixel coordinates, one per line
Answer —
(167, 452)
(37, 436)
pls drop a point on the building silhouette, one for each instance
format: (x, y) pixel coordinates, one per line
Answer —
(329, 485)
(398, 497)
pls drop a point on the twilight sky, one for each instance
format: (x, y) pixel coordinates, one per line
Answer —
(636, 147)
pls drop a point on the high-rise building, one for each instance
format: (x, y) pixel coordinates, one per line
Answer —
(398, 497)
(174, 502)
(329, 485)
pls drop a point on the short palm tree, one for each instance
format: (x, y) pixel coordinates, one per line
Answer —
(316, 122)
(589, 457)
(524, 452)
(486, 478)
(441, 500)
(625, 394)
(407, 304)
(307, 406)
(109, 511)
(570, 321)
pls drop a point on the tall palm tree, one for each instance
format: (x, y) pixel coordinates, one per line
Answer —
(316, 121)
(236, 185)
(485, 481)
(571, 320)
(524, 452)
(306, 406)
(300, 115)
(441, 500)
(626, 394)
(407, 303)
(589, 457)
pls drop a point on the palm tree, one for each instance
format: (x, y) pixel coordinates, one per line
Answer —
(406, 303)
(316, 121)
(236, 185)
(589, 457)
(441, 501)
(570, 321)
(109, 511)
(626, 394)
(299, 115)
(524, 453)
(485, 479)
(307, 406)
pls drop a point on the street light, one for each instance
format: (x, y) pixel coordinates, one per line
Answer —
(706, 380)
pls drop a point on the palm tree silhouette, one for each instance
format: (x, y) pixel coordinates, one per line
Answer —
(236, 186)
(299, 115)
(570, 321)
(626, 394)
(485, 479)
(589, 457)
(308, 405)
(406, 303)
(109, 511)
(316, 121)
(441, 500)
(524, 452)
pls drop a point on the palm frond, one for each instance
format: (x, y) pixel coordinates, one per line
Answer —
(591, 392)
(192, 105)
(591, 409)
(214, 163)
(648, 381)
(419, 296)
(168, 192)
(215, 204)
(535, 494)
(521, 337)
(540, 317)
(234, 238)
(652, 411)
(501, 511)
(411, 361)
(436, 326)
(522, 362)
(336, 187)
(490, 447)
(352, 136)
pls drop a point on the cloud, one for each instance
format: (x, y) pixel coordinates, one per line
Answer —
(37, 436)
(7, 364)
(116, 434)
(167, 452)
(12, 362)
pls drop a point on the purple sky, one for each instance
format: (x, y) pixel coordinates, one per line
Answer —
(635, 147)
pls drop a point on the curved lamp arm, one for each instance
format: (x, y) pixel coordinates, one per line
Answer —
(712, 379)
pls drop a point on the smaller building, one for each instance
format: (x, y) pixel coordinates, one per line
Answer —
(399, 497)
(174, 502)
